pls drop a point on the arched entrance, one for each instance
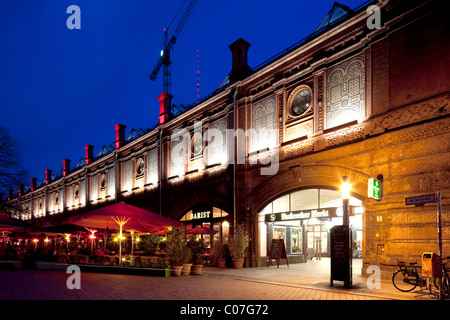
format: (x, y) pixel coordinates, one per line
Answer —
(303, 218)
(304, 191)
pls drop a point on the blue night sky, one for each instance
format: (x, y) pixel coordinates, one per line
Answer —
(61, 89)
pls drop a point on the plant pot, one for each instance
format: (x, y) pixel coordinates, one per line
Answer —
(186, 270)
(238, 263)
(196, 269)
(221, 263)
(175, 271)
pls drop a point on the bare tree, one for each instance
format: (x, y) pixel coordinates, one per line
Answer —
(11, 170)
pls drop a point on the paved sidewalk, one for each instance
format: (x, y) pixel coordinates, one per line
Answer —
(303, 281)
(315, 274)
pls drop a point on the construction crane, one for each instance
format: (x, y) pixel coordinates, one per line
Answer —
(164, 60)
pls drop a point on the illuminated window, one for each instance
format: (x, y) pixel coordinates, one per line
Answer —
(301, 102)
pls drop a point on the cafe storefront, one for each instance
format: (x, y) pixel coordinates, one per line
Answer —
(214, 219)
(304, 219)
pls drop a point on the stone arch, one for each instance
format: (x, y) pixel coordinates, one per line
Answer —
(307, 177)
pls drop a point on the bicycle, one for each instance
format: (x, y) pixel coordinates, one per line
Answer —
(406, 278)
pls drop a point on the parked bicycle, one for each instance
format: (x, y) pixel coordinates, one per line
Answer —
(407, 278)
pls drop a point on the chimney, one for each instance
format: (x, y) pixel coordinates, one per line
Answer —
(89, 153)
(120, 135)
(48, 176)
(239, 67)
(10, 194)
(20, 189)
(66, 167)
(165, 100)
(33, 184)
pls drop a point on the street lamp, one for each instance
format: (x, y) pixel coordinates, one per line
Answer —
(345, 189)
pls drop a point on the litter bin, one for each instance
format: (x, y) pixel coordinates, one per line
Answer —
(431, 265)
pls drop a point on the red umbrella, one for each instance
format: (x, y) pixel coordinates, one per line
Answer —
(130, 217)
(8, 223)
(200, 230)
(124, 216)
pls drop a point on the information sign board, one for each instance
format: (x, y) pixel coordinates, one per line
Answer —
(277, 252)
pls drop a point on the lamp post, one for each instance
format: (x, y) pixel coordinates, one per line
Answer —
(345, 189)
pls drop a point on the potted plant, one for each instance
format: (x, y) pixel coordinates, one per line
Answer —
(186, 262)
(198, 249)
(238, 246)
(175, 249)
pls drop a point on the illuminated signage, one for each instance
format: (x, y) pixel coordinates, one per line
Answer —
(300, 215)
(374, 187)
(201, 215)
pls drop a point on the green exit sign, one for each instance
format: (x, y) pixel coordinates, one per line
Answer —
(374, 189)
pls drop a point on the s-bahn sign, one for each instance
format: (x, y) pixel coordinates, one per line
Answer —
(300, 215)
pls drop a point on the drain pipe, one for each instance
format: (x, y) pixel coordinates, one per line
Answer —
(160, 171)
(116, 173)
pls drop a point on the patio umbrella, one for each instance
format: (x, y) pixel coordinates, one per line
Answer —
(8, 223)
(62, 228)
(123, 216)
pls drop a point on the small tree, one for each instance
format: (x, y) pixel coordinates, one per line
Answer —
(150, 244)
(198, 248)
(176, 247)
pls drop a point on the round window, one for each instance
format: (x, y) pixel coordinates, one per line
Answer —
(301, 102)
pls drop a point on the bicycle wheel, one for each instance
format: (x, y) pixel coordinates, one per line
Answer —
(404, 281)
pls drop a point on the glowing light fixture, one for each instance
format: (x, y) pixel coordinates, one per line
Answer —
(345, 188)
(121, 221)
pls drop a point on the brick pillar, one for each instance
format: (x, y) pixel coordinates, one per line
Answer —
(120, 135)
(33, 184)
(165, 101)
(66, 167)
(48, 176)
(89, 153)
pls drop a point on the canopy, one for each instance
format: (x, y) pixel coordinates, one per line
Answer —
(124, 216)
(8, 223)
(130, 217)
(62, 229)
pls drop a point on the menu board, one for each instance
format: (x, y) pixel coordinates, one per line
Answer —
(277, 252)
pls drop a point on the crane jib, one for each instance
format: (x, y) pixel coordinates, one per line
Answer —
(165, 59)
